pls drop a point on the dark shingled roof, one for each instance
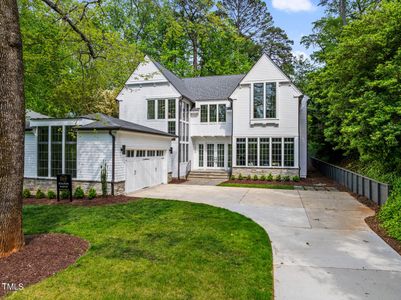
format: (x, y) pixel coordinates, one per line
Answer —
(202, 88)
(103, 122)
(212, 87)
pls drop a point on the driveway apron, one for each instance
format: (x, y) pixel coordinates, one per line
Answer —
(322, 247)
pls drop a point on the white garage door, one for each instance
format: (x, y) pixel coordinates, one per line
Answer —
(144, 169)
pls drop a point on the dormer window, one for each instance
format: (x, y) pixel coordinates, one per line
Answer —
(264, 100)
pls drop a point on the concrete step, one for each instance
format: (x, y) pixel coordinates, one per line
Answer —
(208, 174)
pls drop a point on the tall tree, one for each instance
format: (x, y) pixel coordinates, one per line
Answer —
(12, 118)
(254, 21)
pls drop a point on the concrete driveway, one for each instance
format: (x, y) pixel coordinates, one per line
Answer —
(322, 248)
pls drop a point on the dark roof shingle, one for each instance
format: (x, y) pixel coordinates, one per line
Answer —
(202, 88)
(103, 122)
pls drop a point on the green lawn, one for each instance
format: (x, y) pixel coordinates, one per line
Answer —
(155, 249)
(258, 185)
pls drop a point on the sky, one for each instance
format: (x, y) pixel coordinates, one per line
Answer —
(296, 18)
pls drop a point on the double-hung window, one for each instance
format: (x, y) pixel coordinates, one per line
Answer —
(264, 100)
(161, 109)
(171, 108)
(213, 113)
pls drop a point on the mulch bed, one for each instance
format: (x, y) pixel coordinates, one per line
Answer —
(314, 179)
(374, 224)
(42, 256)
(82, 202)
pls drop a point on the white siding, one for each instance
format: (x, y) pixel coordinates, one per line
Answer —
(264, 69)
(92, 149)
(146, 71)
(199, 129)
(31, 156)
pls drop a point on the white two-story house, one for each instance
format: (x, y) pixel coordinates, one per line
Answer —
(254, 123)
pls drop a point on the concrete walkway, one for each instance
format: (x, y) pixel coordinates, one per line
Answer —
(322, 248)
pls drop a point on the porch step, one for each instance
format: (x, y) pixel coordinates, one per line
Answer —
(208, 174)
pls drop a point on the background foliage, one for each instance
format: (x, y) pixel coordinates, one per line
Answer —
(78, 54)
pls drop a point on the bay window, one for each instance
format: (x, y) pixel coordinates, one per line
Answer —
(264, 100)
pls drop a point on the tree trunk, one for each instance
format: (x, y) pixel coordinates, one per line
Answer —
(343, 12)
(12, 126)
(195, 55)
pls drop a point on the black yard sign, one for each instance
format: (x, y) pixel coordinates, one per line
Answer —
(64, 183)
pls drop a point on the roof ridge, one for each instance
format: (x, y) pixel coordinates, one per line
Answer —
(208, 76)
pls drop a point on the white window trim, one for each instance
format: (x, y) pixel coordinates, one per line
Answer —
(208, 122)
(296, 162)
(255, 120)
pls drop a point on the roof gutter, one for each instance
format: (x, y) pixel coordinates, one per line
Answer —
(113, 161)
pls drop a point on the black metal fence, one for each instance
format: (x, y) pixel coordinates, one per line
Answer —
(374, 190)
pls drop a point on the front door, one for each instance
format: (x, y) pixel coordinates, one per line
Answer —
(214, 154)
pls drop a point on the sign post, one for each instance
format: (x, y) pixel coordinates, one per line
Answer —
(64, 183)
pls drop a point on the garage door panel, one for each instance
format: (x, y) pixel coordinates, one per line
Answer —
(143, 172)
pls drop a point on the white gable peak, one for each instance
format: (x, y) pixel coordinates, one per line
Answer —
(146, 72)
(264, 70)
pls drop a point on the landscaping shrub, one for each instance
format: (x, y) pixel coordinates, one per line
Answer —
(232, 177)
(278, 177)
(255, 177)
(39, 194)
(390, 212)
(51, 194)
(286, 178)
(240, 177)
(249, 177)
(26, 193)
(92, 193)
(103, 178)
(269, 177)
(65, 194)
(296, 178)
(263, 177)
(79, 193)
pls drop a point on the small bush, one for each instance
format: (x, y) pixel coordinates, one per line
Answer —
(255, 177)
(232, 177)
(39, 194)
(26, 193)
(263, 177)
(249, 177)
(296, 178)
(51, 194)
(278, 177)
(286, 178)
(92, 193)
(79, 193)
(269, 177)
(65, 194)
(240, 177)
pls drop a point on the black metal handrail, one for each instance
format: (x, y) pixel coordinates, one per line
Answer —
(372, 189)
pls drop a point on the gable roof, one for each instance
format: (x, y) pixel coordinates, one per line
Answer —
(213, 87)
(103, 122)
(202, 88)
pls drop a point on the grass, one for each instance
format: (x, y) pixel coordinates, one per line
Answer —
(155, 249)
(258, 185)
